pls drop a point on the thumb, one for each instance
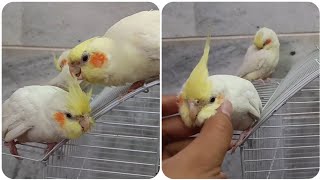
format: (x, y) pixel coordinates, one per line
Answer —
(213, 141)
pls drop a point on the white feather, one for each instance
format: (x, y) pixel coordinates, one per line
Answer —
(28, 114)
(243, 96)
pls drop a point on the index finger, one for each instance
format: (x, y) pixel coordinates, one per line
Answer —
(173, 129)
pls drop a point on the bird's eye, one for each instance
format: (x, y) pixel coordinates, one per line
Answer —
(68, 115)
(212, 99)
(85, 57)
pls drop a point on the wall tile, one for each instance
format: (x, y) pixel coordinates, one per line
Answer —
(62, 24)
(196, 19)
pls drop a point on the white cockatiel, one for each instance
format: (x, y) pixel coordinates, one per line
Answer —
(45, 114)
(202, 95)
(129, 52)
(262, 56)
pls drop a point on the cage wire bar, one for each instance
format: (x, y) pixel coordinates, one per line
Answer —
(287, 144)
(123, 144)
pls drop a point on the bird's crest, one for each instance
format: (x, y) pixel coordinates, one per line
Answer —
(76, 53)
(78, 102)
(197, 85)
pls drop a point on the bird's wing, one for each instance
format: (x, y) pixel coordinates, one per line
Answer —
(255, 105)
(141, 30)
(253, 61)
(18, 128)
(13, 124)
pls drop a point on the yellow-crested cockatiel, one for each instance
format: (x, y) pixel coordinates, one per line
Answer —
(202, 95)
(45, 114)
(62, 79)
(129, 52)
(262, 56)
(62, 60)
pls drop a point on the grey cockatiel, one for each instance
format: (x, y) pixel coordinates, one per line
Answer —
(262, 56)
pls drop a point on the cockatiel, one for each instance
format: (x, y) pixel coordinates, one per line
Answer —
(62, 79)
(202, 95)
(62, 60)
(129, 52)
(262, 57)
(45, 114)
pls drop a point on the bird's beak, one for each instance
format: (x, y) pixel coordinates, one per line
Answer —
(193, 110)
(75, 70)
(85, 123)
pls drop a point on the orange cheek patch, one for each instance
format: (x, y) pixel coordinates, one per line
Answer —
(59, 117)
(268, 41)
(63, 62)
(180, 100)
(98, 59)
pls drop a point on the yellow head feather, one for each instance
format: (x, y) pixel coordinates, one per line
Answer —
(197, 85)
(258, 39)
(78, 102)
(76, 53)
(56, 63)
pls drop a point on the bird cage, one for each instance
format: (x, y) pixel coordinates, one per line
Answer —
(287, 144)
(123, 144)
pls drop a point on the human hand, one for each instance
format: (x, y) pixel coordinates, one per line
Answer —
(194, 157)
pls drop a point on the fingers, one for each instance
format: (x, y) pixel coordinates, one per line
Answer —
(173, 129)
(212, 143)
(169, 105)
(175, 147)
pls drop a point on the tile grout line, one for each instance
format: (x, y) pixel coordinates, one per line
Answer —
(228, 37)
(199, 38)
(17, 47)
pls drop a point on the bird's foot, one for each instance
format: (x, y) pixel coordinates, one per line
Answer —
(242, 136)
(135, 86)
(264, 81)
(50, 146)
(13, 149)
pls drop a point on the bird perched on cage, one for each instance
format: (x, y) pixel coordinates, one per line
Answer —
(262, 56)
(202, 95)
(45, 114)
(62, 79)
(129, 52)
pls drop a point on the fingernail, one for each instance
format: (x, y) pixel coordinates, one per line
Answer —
(226, 108)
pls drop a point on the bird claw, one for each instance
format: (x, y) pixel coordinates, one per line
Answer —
(135, 86)
(13, 149)
(50, 146)
(242, 136)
